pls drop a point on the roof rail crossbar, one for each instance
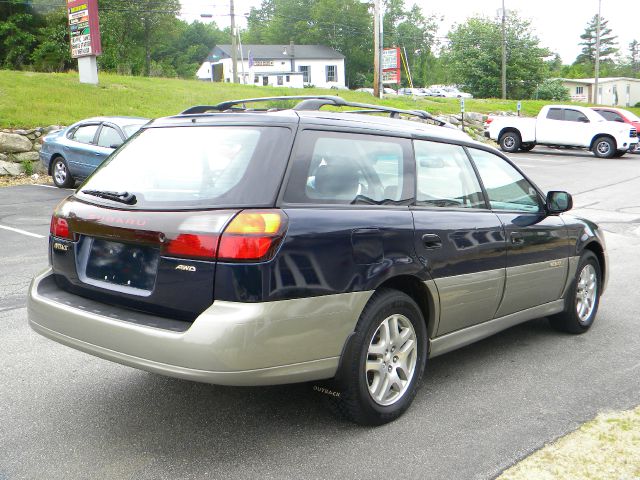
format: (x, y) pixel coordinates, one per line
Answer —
(314, 103)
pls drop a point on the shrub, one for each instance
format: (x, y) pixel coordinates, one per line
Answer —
(553, 90)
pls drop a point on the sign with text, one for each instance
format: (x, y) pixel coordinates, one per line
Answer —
(391, 65)
(84, 28)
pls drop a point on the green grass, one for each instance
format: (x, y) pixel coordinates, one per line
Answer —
(30, 99)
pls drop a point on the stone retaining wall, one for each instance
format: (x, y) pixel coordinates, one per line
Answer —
(20, 147)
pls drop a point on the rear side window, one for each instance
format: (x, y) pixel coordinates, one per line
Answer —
(446, 177)
(203, 166)
(554, 114)
(85, 134)
(506, 188)
(344, 168)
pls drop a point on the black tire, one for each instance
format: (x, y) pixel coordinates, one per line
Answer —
(355, 401)
(604, 147)
(60, 173)
(510, 142)
(569, 320)
(527, 147)
(619, 153)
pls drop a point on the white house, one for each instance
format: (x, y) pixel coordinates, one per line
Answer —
(277, 65)
(613, 91)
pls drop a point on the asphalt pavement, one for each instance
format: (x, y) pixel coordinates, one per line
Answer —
(68, 415)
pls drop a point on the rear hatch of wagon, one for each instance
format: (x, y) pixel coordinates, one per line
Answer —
(146, 230)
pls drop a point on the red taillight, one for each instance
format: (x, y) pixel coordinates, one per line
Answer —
(252, 236)
(60, 228)
(488, 121)
(193, 245)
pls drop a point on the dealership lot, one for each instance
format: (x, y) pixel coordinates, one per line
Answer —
(68, 415)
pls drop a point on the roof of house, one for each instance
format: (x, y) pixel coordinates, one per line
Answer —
(589, 81)
(279, 52)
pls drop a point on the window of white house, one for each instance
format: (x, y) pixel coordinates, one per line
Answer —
(579, 90)
(280, 82)
(288, 79)
(256, 79)
(331, 73)
(305, 73)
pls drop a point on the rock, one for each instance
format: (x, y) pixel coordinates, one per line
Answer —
(51, 128)
(31, 136)
(26, 157)
(23, 132)
(37, 147)
(9, 168)
(3, 158)
(12, 143)
(35, 176)
(38, 133)
(474, 117)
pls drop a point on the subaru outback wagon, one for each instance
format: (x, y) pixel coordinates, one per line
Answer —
(241, 246)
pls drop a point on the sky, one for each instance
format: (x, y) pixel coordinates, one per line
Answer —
(558, 23)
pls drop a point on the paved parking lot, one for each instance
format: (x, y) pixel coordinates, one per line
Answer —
(67, 415)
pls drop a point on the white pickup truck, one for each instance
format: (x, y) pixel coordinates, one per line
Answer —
(563, 125)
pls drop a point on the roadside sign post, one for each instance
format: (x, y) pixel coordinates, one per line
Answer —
(462, 112)
(84, 34)
(519, 107)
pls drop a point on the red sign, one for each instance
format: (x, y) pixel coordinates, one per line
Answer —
(391, 65)
(84, 28)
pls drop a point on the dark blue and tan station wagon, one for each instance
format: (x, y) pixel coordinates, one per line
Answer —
(242, 246)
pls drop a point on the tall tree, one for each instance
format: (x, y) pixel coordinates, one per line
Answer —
(607, 42)
(474, 57)
(634, 54)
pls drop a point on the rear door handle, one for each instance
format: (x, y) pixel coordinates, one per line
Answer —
(517, 238)
(431, 241)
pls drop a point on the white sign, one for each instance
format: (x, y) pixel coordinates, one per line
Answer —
(462, 105)
(390, 58)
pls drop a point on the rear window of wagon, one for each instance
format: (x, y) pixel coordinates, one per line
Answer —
(196, 167)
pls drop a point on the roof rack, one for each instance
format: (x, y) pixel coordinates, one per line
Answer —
(312, 103)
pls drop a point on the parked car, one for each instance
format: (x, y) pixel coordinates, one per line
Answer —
(447, 91)
(365, 90)
(75, 152)
(620, 115)
(563, 125)
(260, 248)
(416, 92)
(389, 91)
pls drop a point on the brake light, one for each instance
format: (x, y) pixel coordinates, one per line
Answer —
(252, 236)
(193, 245)
(488, 120)
(60, 228)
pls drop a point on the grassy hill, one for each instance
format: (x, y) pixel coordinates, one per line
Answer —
(30, 99)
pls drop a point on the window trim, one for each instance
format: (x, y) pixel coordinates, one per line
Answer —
(335, 73)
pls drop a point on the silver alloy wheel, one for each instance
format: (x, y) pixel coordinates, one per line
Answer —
(603, 148)
(60, 172)
(391, 360)
(586, 292)
(509, 141)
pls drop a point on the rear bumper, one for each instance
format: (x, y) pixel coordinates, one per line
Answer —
(45, 159)
(228, 344)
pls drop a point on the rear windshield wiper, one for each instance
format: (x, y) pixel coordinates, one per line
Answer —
(122, 197)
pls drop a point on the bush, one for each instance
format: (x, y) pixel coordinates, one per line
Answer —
(28, 167)
(552, 90)
(637, 105)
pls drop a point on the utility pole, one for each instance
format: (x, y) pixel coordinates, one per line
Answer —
(597, 75)
(377, 50)
(504, 52)
(234, 44)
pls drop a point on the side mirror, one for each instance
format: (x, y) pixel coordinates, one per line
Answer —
(558, 202)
